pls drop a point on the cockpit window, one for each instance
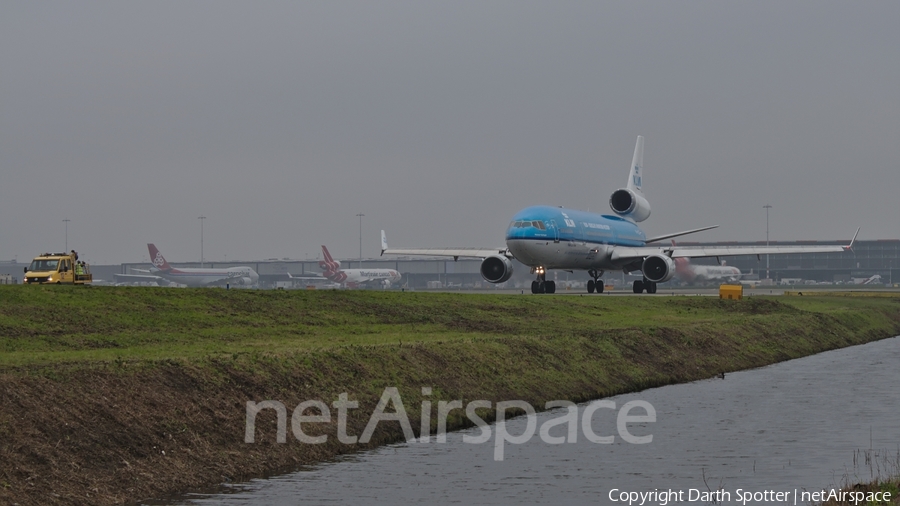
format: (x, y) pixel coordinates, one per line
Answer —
(527, 224)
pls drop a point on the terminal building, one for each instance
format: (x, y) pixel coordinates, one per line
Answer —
(867, 259)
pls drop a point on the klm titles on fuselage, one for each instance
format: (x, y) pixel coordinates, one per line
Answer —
(543, 222)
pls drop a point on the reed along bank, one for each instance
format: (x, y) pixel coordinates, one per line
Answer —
(110, 395)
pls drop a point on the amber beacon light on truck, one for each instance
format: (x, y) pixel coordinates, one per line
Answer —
(59, 269)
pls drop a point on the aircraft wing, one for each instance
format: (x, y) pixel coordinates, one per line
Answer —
(620, 253)
(724, 251)
(312, 276)
(131, 278)
(372, 282)
(456, 253)
(447, 252)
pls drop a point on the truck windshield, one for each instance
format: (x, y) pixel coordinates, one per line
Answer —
(43, 265)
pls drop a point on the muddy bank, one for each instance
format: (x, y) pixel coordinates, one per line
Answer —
(116, 432)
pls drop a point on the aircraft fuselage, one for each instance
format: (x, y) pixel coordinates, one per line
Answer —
(207, 277)
(561, 238)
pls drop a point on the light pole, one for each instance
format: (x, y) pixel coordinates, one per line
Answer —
(201, 218)
(767, 207)
(66, 221)
(360, 215)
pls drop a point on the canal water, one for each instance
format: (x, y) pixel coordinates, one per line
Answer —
(804, 425)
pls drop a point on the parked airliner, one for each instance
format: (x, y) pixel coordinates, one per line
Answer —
(355, 278)
(546, 237)
(691, 273)
(871, 280)
(198, 277)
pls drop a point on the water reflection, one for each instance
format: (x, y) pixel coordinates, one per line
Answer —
(794, 425)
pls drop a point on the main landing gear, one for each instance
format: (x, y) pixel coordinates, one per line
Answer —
(640, 286)
(596, 283)
(541, 285)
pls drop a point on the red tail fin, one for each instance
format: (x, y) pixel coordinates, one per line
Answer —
(157, 259)
(329, 264)
(326, 254)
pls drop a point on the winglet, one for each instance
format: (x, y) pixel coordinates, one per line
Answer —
(637, 166)
(383, 243)
(850, 246)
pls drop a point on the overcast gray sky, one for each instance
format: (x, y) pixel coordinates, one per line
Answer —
(279, 121)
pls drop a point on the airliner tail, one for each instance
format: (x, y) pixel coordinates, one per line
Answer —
(329, 263)
(637, 167)
(157, 259)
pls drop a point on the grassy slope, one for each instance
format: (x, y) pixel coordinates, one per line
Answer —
(42, 325)
(95, 383)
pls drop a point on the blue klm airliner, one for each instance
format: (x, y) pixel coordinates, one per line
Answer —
(546, 237)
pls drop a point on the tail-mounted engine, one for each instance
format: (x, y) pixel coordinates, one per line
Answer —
(628, 204)
(658, 268)
(496, 269)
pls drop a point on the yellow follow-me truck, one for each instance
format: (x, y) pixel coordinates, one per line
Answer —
(57, 268)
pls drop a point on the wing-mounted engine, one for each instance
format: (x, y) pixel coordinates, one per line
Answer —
(629, 204)
(245, 281)
(496, 269)
(658, 268)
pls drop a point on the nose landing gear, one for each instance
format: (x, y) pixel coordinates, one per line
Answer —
(541, 285)
(596, 283)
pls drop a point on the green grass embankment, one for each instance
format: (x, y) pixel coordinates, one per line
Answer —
(109, 395)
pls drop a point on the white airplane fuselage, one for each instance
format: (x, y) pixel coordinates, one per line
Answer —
(357, 277)
(243, 276)
(689, 273)
(194, 276)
